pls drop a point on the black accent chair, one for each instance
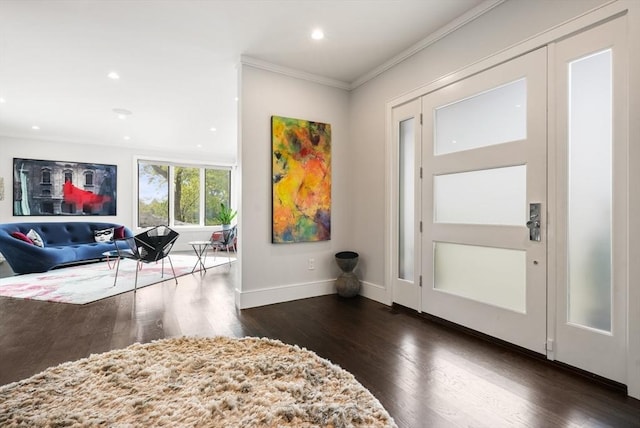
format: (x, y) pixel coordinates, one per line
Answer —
(224, 240)
(150, 246)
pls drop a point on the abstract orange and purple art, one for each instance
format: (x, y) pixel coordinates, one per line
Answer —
(301, 167)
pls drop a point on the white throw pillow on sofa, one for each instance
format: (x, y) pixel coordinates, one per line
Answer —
(103, 235)
(37, 239)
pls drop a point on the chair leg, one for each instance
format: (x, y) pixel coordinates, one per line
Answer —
(135, 284)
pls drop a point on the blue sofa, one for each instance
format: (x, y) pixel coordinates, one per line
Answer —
(64, 243)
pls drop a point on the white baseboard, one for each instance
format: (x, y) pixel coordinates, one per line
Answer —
(375, 292)
(287, 293)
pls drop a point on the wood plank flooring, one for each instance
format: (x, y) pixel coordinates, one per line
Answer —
(424, 374)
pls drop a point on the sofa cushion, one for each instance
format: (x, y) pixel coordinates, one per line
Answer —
(37, 239)
(21, 236)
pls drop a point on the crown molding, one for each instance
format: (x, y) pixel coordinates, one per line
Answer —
(462, 20)
(264, 65)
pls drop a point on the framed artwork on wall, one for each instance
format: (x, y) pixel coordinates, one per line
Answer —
(301, 180)
(57, 188)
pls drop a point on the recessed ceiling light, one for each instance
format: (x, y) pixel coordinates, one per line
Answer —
(126, 137)
(36, 127)
(2, 100)
(122, 112)
(213, 129)
(113, 75)
(317, 34)
(237, 98)
(199, 146)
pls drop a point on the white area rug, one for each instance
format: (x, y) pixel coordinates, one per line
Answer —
(94, 281)
(206, 382)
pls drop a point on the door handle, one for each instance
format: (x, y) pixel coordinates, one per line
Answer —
(534, 222)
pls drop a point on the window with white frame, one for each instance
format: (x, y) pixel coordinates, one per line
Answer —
(181, 195)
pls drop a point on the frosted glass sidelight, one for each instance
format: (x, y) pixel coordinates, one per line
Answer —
(590, 191)
(496, 116)
(491, 196)
(496, 276)
(406, 205)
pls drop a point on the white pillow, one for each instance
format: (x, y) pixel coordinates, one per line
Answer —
(37, 239)
(103, 235)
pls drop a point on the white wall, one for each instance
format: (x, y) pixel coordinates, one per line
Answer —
(122, 157)
(278, 272)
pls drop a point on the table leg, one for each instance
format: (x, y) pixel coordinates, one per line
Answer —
(199, 249)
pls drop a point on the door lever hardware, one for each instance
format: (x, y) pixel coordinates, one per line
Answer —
(534, 222)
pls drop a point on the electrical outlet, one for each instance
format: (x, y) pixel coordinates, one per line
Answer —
(311, 264)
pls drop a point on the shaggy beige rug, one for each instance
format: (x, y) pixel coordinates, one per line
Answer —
(198, 382)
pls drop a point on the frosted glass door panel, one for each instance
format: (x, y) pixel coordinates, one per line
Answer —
(496, 116)
(495, 276)
(407, 200)
(492, 196)
(479, 269)
(590, 191)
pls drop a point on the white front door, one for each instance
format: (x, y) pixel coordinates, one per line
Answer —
(484, 160)
(590, 166)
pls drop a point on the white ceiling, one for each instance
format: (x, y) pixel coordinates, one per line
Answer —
(178, 61)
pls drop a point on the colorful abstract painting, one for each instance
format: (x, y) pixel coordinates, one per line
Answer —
(301, 168)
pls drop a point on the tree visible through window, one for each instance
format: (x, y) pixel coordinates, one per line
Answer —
(189, 189)
(217, 191)
(186, 205)
(153, 194)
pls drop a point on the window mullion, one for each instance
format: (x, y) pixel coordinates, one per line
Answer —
(172, 189)
(202, 196)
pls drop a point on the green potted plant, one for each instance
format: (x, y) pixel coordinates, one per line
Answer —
(225, 215)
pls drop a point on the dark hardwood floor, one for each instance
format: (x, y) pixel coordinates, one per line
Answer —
(424, 374)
